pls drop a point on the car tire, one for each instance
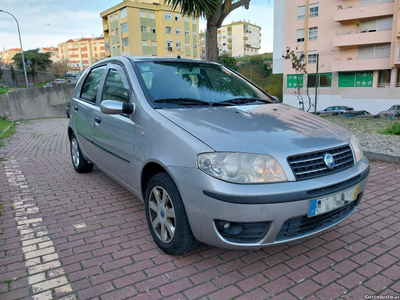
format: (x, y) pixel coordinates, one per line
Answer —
(166, 216)
(81, 165)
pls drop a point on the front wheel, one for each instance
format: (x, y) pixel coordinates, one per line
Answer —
(81, 165)
(166, 216)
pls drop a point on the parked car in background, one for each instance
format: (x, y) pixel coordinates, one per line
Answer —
(49, 84)
(391, 113)
(357, 113)
(334, 110)
(213, 157)
(58, 81)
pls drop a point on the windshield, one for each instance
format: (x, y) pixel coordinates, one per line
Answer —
(180, 83)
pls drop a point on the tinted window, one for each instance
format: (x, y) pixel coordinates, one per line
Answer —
(114, 88)
(206, 82)
(92, 83)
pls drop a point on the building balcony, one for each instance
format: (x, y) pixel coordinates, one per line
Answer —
(357, 37)
(105, 27)
(345, 65)
(354, 11)
(229, 40)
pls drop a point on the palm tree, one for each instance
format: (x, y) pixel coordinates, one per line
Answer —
(215, 12)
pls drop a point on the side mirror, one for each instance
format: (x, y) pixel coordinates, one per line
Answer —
(275, 99)
(112, 107)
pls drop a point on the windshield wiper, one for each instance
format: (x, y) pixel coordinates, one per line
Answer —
(182, 101)
(243, 101)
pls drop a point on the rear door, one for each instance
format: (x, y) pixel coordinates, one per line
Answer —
(83, 108)
(114, 134)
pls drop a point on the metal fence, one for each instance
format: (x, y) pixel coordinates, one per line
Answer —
(363, 77)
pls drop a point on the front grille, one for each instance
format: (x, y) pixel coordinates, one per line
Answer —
(311, 165)
(301, 226)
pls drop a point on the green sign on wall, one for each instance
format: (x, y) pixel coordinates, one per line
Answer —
(294, 81)
(356, 79)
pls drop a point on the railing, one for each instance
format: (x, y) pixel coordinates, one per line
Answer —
(358, 31)
(383, 84)
(354, 4)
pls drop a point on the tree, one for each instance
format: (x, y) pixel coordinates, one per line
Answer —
(228, 61)
(12, 71)
(58, 68)
(215, 12)
(37, 61)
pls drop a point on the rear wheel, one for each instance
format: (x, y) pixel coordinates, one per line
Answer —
(166, 216)
(81, 165)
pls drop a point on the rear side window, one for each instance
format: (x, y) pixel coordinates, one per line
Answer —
(92, 83)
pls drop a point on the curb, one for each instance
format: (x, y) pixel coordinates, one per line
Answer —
(382, 157)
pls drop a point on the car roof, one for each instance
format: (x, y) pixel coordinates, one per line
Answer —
(154, 58)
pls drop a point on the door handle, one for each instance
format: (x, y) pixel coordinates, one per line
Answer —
(76, 108)
(97, 120)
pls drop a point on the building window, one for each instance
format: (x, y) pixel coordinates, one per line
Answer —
(194, 21)
(187, 32)
(167, 16)
(187, 46)
(143, 28)
(154, 44)
(152, 15)
(294, 81)
(312, 57)
(300, 35)
(118, 45)
(325, 80)
(195, 46)
(116, 17)
(153, 30)
(178, 44)
(116, 31)
(301, 12)
(124, 27)
(125, 42)
(194, 33)
(111, 18)
(178, 30)
(168, 29)
(313, 33)
(314, 9)
(107, 46)
(123, 13)
(186, 19)
(177, 17)
(143, 14)
(144, 43)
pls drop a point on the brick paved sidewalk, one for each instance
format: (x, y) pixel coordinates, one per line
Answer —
(82, 236)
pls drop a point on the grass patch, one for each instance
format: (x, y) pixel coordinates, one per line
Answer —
(4, 124)
(4, 90)
(394, 129)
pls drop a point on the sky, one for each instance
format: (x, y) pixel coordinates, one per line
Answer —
(45, 23)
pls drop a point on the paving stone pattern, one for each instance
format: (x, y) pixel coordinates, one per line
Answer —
(366, 131)
(65, 235)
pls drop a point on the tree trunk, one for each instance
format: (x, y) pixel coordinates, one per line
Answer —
(212, 43)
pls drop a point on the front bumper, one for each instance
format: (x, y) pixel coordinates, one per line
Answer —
(208, 199)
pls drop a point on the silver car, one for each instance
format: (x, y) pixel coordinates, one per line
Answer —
(214, 158)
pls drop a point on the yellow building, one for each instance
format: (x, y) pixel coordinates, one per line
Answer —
(81, 53)
(149, 28)
(7, 55)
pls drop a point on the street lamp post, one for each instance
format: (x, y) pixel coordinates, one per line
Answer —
(20, 42)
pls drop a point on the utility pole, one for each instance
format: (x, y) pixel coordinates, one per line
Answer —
(20, 43)
(316, 84)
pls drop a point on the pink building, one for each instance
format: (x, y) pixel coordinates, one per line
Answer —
(354, 43)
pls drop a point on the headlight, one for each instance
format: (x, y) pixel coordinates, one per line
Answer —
(355, 144)
(241, 167)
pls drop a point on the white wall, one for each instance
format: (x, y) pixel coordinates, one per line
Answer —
(279, 35)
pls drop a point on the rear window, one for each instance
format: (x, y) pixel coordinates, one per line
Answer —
(91, 84)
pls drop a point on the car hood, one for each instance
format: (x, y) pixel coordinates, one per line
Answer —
(275, 129)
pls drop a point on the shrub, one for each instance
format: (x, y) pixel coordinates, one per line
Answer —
(394, 129)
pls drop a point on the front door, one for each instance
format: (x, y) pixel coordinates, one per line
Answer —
(114, 134)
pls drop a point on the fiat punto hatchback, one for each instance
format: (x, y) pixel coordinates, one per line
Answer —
(214, 158)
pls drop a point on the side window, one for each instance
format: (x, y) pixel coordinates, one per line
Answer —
(91, 85)
(114, 87)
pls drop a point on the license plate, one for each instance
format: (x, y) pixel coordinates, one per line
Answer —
(327, 204)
